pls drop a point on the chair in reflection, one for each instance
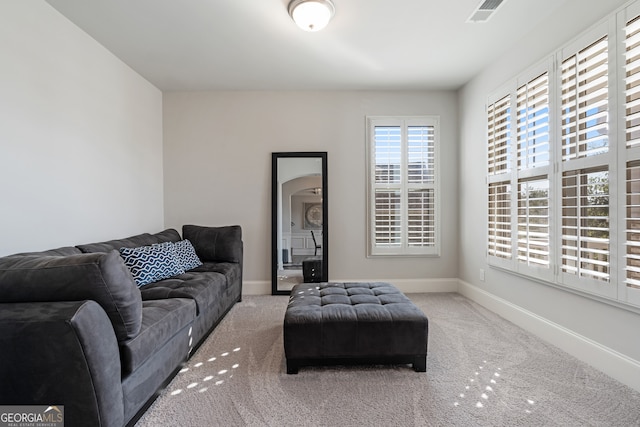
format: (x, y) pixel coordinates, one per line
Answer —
(315, 244)
(312, 266)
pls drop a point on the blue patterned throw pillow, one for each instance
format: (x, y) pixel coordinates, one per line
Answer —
(186, 255)
(151, 263)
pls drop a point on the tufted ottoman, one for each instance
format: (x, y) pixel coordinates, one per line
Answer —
(342, 323)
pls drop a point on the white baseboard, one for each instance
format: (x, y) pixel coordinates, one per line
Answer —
(612, 363)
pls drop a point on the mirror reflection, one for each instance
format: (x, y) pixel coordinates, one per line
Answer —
(299, 228)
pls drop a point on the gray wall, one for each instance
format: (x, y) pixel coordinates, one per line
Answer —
(80, 136)
(217, 149)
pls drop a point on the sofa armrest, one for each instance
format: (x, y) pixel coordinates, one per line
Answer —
(62, 353)
(100, 277)
(216, 244)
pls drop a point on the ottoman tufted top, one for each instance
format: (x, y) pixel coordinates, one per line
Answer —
(350, 319)
(348, 297)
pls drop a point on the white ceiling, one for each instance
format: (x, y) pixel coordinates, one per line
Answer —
(254, 44)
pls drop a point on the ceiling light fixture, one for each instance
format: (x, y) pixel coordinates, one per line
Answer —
(311, 15)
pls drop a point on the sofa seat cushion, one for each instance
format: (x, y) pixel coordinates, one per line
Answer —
(203, 287)
(161, 320)
(232, 271)
(102, 277)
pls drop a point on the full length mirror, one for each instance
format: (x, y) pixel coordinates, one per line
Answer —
(299, 237)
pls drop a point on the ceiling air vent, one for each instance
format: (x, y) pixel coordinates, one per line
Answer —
(484, 11)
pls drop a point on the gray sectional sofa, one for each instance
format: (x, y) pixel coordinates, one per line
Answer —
(77, 330)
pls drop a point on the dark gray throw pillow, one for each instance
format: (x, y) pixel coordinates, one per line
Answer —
(221, 244)
(102, 277)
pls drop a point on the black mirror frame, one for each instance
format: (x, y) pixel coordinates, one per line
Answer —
(274, 215)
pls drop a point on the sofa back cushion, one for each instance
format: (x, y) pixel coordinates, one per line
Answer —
(222, 244)
(102, 277)
(145, 239)
(129, 242)
(168, 235)
(63, 251)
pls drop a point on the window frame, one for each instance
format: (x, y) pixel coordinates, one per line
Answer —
(404, 249)
(514, 175)
(612, 289)
(605, 288)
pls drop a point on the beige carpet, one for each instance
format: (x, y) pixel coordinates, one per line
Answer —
(481, 371)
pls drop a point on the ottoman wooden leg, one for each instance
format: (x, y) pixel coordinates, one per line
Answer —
(420, 364)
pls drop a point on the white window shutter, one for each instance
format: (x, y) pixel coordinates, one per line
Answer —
(533, 123)
(403, 186)
(533, 222)
(585, 223)
(499, 226)
(499, 136)
(585, 95)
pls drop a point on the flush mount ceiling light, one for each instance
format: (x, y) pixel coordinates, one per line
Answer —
(311, 15)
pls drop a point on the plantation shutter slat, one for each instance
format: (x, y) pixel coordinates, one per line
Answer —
(585, 223)
(388, 230)
(387, 154)
(632, 131)
(632, 82)
(421, 230)
(421, 215)
(532, 137)
(533, 123)
(499, 127)
(420, 153)
(387, 202)
(499, 221)
(533, 222)
(633, 225)
(584, 99)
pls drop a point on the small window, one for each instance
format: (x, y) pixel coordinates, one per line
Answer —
(403, 186)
